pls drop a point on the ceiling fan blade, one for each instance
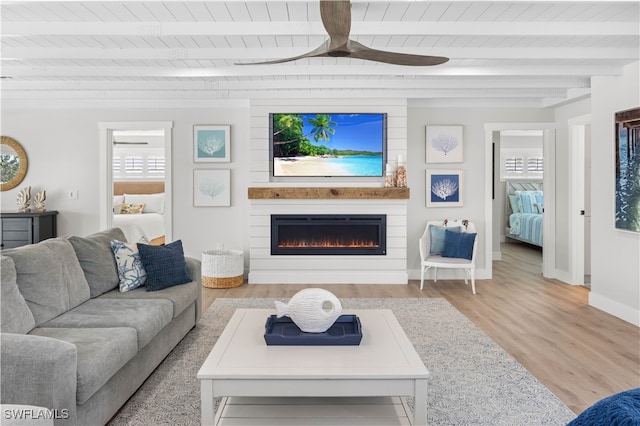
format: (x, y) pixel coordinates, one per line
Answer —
(360, 51)
(322, 50)
(336, 18)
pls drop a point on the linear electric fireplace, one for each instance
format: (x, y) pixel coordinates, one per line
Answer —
(357, 234)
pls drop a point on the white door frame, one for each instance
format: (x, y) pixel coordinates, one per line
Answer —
(106, 168)
(577, 128)
(549, 221)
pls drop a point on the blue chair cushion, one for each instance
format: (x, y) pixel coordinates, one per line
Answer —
(437, 238)
(621, 409)
(165, 265)
(458, 244)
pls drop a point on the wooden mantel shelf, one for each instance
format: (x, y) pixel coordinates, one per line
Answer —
(324, 193)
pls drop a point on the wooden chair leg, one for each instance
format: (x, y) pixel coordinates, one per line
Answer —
(422, 268)
(473, 281)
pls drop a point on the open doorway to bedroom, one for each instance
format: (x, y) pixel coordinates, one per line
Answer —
(136, 179)
(521, 173)
(522, 161)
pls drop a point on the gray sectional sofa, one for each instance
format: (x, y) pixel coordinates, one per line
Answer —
(71, 341)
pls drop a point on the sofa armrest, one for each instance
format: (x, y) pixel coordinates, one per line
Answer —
(194, 269)
(39, 371)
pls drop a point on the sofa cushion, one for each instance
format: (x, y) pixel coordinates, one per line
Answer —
(97, 260)
(15, 314)
(102, 352)
(49, 277)
(165, 265)
(148, 317)
(131, 273)
(181, 296)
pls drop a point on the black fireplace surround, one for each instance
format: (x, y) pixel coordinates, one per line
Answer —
(329, 234)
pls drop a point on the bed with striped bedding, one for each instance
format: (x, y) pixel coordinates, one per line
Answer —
(526, 227)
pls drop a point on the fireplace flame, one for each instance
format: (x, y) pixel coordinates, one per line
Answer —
(327, 243)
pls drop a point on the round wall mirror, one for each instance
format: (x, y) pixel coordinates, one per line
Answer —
(13, 163)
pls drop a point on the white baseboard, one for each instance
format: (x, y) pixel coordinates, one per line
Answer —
(614, 308)
(497, 255)
(327, 277)
(449, 274)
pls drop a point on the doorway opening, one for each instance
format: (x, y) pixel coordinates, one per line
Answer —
(497, 200)
(130, 154)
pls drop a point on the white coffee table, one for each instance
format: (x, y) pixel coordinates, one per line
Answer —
(241, 364)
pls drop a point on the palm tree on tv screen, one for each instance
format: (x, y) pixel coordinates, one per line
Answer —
(323, 127)
(289, 138)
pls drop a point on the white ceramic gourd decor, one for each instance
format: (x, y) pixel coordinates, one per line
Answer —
(313, 310)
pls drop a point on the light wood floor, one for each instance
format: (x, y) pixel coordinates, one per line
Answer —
(580, 353)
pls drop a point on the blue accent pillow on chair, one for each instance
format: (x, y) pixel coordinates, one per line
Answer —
(458, 244)
(437, 237)
(165, 265)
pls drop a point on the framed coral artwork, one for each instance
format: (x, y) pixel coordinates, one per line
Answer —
(211, 144)
(444, 144)
(211, 188)
(444, 188)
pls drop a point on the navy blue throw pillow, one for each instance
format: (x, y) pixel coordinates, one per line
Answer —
(165, 265)
(621, 409)
(458, 244)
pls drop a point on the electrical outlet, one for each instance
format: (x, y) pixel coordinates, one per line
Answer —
(72, 194)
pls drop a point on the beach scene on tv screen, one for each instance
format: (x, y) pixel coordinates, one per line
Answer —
(328, 144)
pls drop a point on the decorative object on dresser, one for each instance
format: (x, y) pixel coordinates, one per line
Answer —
(313, 310)
(23, 228)
(23, 200)
(39, 201)
(13, 163)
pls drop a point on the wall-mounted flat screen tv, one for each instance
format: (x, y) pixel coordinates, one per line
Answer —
(328, 144)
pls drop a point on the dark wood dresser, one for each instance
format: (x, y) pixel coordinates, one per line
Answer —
(20, 228)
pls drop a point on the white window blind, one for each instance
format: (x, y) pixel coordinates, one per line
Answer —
(535, 165)
(513, 165)
(133, 164)
(155, 164)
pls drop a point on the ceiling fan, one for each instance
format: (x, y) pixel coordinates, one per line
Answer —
(336, 18)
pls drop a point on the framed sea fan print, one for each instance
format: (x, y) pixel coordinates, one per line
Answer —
(211, 144)
(211, 188)
(444, 188)
(444, 144)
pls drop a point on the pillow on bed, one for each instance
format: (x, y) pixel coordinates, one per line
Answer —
(127, 208)
(118, 199)
(153, 203)
(515, 204)
(526, 200)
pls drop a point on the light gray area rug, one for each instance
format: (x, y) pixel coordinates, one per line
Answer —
(473, 380)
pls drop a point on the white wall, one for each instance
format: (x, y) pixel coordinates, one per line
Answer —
(473, 166)
(563, 142)
(63, 150)
(615, 270)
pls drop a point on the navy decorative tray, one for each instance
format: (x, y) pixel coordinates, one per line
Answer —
(283, 331)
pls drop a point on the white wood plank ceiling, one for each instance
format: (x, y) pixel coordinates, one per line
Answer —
(502, 53)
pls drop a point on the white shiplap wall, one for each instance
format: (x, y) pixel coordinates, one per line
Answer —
(264, 268)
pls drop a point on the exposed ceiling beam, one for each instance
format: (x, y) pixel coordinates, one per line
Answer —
(458, 28)
(303, 83)
(275, 70)
(253, 53)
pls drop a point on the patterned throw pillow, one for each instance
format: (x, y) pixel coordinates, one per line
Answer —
(127, 208)
(130, 269)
